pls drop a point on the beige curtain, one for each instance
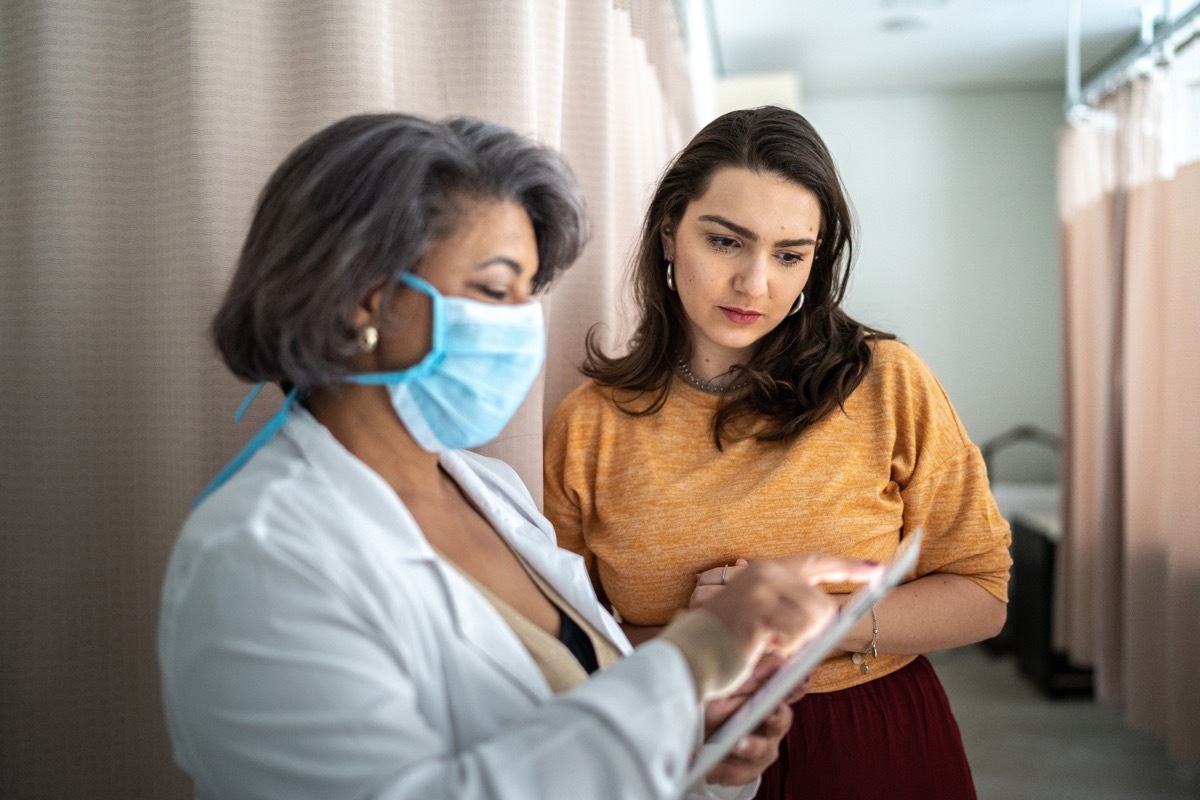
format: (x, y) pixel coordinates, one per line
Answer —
(134, 136)
(1128, 583)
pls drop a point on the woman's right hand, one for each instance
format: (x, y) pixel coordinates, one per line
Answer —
(777, 605)
(711, 581)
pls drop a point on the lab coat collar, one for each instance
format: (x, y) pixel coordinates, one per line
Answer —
(528, 532)
(475, 618)
(365, 491)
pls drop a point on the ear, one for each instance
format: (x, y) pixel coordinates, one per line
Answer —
(367, 311)
(667, 237)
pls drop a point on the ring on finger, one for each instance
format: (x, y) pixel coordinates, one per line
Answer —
(724, 570)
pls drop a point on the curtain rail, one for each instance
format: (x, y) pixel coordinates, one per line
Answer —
(1175, 36)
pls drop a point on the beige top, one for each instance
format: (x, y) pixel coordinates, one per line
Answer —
(557, 663)
(711, 651)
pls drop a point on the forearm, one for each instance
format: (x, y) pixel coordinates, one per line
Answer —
(935, 612)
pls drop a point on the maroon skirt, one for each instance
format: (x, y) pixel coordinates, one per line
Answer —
(893, 737)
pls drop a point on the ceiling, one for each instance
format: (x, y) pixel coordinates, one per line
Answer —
(867, 45)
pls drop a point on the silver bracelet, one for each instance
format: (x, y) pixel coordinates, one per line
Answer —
(860, 659)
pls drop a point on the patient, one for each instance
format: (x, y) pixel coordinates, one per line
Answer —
(359, 607)
(752, 418)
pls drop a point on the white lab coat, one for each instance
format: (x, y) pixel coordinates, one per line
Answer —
(313, 645)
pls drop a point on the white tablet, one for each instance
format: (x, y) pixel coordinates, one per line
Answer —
(803, 661)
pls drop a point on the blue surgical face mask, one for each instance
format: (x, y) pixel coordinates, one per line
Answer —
(485, 358)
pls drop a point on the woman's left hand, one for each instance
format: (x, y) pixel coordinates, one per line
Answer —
(711, 581)
(754, 753)
(759, 750)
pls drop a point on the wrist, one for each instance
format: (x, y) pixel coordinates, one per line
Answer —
(714, 655)
(862, 658)
(859, 637)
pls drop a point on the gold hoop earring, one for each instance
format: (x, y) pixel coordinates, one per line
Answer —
(671, 275)
(798, 304)
(368, 338)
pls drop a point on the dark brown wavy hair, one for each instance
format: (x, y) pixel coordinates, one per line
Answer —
(811, 362)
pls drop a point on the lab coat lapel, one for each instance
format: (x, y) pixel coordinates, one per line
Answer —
(475, 619)
(483, 630)
(512, 513)
(565, 571)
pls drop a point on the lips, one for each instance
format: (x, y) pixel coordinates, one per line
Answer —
(741, 316)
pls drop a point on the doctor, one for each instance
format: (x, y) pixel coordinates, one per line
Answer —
(359, 607)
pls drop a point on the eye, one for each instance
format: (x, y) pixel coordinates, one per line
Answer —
(497, 293)
(789, 259)
(721, 243)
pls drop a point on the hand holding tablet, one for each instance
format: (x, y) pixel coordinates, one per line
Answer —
(801, 663)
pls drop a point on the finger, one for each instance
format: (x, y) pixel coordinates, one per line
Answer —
(747, 761)
(755, 752)
(719, 576)
(721, 709)
(820, 568)
(776, 724)
(800, 612)
(767, 665)
(733, 772)
(753, 748)
(702, 594)
(801, 689)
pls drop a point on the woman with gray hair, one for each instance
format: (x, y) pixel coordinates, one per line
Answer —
(359, 607)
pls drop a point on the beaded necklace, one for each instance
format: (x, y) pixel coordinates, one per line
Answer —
(708, 387)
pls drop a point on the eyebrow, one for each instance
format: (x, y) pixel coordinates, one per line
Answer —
(503, 261)
(751, 235)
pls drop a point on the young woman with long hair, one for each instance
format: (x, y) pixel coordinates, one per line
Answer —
(752, 418)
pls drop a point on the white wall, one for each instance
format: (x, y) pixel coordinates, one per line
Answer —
(958, 252)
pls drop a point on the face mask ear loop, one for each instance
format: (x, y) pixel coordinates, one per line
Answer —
(255, 444)
(439, 308)
(437, 352)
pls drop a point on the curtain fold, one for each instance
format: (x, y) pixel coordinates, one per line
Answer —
(134, 137)
(1128, 582)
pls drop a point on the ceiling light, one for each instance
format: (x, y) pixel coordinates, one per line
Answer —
(900, 23)
(900, 16)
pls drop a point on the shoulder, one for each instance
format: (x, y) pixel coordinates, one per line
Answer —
(273, 506)
(901, 384)
(589, 398)
(896, 367)
(273, 487)
(895, 355)
(592, 401)
(582, 412)
(290, 510)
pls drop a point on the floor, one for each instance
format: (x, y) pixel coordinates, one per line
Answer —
(1023, 746)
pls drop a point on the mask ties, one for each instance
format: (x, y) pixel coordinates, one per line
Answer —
(255, 444)
(253, 393)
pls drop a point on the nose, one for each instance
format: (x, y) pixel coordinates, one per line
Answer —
(751, 277)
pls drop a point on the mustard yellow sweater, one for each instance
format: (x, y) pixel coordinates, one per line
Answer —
(650, 502)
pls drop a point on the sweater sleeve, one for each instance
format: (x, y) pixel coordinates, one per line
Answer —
(943, 482)
(565, 486)
(967, 535)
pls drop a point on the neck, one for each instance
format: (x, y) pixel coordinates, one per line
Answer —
(362, 419)
(711, 363)
(714, 384)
